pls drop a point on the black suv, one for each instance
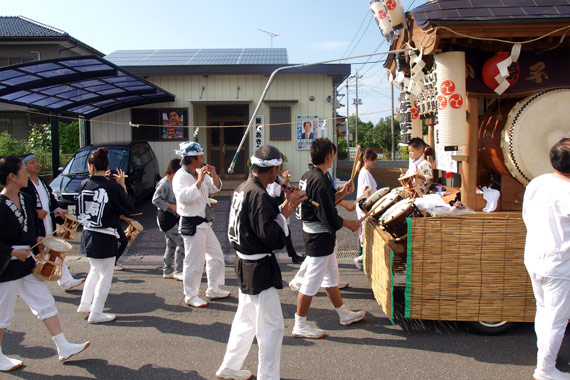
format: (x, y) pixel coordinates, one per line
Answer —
(136, 158)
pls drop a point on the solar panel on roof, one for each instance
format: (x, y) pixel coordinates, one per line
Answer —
(169, 57)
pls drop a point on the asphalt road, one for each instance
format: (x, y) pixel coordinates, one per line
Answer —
(156, 336)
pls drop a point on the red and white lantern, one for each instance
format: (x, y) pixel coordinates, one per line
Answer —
(381, 16)
(452, 98)
(396, 13)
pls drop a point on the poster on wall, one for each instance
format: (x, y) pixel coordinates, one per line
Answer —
(443, 160)
(258, 135)
(173, 121)
(308, 129)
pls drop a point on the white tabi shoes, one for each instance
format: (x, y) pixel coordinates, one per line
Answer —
(230, 374)
(101, 317)
(216, 294)
(350, 317)
(551, 375)
(8, 364)
(196, 302)
(72, 284)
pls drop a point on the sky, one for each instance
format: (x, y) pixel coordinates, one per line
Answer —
(310, 30)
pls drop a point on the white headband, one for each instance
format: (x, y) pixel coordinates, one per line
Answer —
(266, 163)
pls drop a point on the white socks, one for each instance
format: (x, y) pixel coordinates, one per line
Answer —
(341, 311)
(8, 364)
(300, 321)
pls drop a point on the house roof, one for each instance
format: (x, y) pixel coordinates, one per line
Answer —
(442, 12)
(218, 62)
(85, 85)
(172, 57)
(19, 28)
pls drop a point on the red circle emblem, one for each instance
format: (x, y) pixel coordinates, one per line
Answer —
(414, 112)
(447, 87)
(391, 5)
(455, 101)
(441, 102)
(381, 15)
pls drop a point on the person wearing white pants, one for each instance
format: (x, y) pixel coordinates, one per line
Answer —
(546, 214)
(17, 235)
(47, 211)
(101, 203)
(192, 185)
(201, 248)
(257, 227)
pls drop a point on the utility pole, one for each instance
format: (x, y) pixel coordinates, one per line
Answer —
(392, 124)
(357, 102)
(347, 116)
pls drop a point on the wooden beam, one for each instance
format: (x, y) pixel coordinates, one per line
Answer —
(469, 166)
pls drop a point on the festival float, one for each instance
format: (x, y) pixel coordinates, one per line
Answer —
(489, 83)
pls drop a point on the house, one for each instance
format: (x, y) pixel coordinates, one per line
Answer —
(216, 92)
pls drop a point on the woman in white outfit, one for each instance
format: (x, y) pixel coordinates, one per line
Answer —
(366, 186)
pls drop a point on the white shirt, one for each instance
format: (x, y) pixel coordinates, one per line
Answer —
(44, 199)
(191, 201)
(546, 214)
(365, 179)
(421, 166)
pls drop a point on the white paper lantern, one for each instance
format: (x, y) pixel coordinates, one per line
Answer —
(396, 13)
(451, 98)
(381, 16)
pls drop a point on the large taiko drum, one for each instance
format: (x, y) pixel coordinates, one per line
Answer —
(533, 125)
(50, 260)
(394, 219)
(384, 204)
(375, 197)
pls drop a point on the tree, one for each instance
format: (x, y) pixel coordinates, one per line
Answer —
(10, 146)
(39, 140)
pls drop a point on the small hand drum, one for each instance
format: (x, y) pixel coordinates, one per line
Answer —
(133, 230)
(68, 229)
(50, 259)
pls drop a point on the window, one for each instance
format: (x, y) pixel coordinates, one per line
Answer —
(5, 61)
(280, 120)
(156, 124)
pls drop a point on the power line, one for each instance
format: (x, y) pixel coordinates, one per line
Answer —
(363, 33)
(356, 34)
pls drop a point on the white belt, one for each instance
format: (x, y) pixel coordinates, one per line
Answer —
(314, 228)
(20, 247)
(103, 230)
(255, 257)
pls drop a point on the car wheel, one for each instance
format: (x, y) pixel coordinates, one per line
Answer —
(490, 328)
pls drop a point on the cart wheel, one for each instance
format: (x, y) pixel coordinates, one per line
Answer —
(490, 328)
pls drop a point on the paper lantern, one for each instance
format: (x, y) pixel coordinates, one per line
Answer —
(451, 98)
(396, 13)
(491, 70)
(417, 130)
(381, 16)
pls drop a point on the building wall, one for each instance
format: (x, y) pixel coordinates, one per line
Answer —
(115, 126)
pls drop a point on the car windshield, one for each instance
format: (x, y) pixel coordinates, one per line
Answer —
(118, 159)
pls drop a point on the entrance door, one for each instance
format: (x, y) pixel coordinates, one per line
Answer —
(224, 141)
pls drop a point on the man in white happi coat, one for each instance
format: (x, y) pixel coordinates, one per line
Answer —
(192, 185)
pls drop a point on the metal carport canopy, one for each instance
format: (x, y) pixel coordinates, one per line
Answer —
(85, 86)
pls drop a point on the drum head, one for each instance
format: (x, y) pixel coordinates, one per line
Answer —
(384, 203)
(370, 201)
(533, 126)
(137, 225)
(212, 201)
(56, 244)
(396, 210)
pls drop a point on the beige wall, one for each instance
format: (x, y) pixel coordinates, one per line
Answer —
(115, 126)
